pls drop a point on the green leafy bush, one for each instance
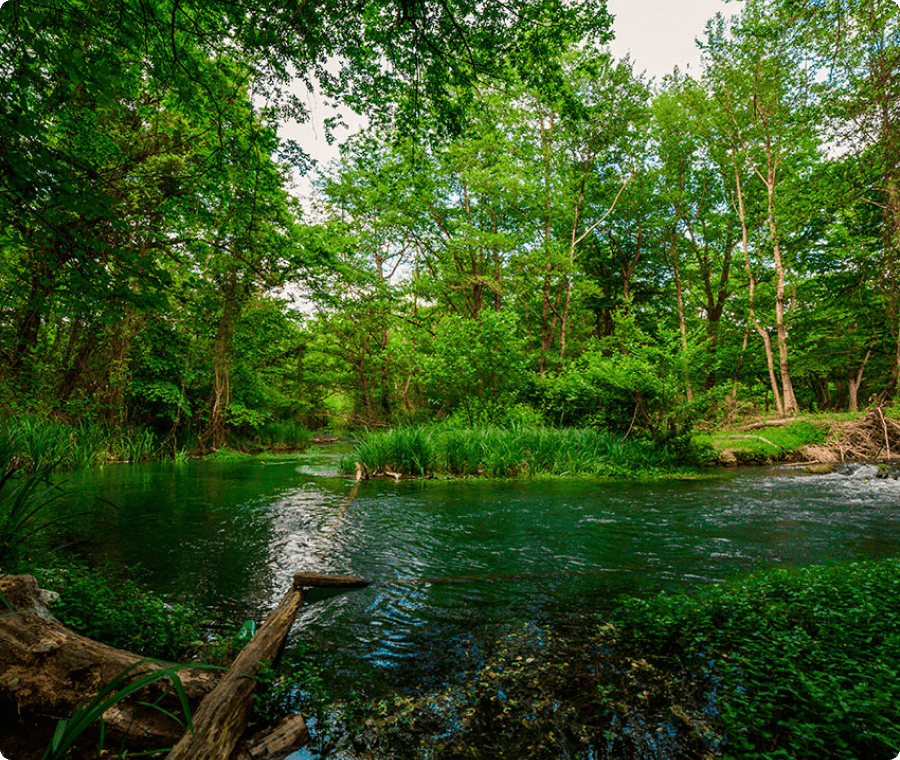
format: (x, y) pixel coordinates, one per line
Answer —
(476, 364)
(801, 663)
(103, 605)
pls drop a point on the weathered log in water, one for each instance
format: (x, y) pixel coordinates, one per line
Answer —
(222, 717)
(47, 670)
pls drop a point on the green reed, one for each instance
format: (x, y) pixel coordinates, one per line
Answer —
(284, 434)
(508, 452)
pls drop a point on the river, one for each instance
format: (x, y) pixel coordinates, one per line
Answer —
(454, 562)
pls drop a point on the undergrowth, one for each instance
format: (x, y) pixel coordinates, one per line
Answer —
(107, 606)
(785, 664)
(767, 443)
(804, 661)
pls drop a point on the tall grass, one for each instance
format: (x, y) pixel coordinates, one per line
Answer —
(39, 442)
(508, 452)
(285, 434)
(408, 451)
(22, 498)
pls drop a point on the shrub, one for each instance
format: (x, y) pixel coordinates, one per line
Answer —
(803, 661)
(104, 605)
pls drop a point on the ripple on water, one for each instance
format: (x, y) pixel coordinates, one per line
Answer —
(452, 561)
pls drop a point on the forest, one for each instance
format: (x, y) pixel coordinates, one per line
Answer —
(533, 259)
(527, 231)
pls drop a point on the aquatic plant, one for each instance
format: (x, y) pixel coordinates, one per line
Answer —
(508, 452)
(129, 681)
(36, 441)
(284, 434)
(134, 445)
(785, 663)
(408, 451)
(89, 446)
(22, 497)
(804, 662)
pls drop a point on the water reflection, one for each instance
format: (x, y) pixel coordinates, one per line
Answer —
(454, 561)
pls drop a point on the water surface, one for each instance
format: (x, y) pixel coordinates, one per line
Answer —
(452, 563)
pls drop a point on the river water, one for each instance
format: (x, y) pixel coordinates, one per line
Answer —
(454, 562)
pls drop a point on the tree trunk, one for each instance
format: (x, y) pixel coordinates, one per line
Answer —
(682, 324)
(854, 381)
(222, 350)
(751, 312)
(47, 670)
(787, 386)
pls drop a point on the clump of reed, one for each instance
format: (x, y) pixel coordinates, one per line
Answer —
(39, 443)
(406, 451)
(508, 452)
(286, 434)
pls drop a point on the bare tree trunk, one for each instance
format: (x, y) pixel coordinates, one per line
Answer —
(787, 387)
(751, 312)
(682, 324)
(222, 350)
(854, 381)
(547, 328)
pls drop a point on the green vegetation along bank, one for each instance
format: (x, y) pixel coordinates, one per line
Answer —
(517, 451)
(784, 664)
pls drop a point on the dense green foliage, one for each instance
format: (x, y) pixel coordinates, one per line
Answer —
(107, 606)
(607, 251)
(801, 662)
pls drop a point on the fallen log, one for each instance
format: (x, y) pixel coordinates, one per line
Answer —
(221, 719)
(781, 422)
(275, 743)
(47, 670)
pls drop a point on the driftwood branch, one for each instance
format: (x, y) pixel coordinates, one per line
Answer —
(222, 717)
(755, 437)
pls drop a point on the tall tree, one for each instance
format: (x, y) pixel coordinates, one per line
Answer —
(758, 75)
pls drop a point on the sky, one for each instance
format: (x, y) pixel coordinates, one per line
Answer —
(658, 34)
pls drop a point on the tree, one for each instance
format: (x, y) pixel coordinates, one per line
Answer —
(764, 90)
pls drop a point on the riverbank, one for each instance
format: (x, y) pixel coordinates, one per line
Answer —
(779, 665)
(818, 440)
(499, 452)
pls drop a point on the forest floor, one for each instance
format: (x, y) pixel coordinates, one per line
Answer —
(820, 440)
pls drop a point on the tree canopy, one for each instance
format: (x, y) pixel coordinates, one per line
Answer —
(527, 223)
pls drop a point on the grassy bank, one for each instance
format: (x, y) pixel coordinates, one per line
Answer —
(32, 442)
(765, 441)
(783, 664)
(509, 452)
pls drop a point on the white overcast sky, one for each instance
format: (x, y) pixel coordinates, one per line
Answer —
(658, 34)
